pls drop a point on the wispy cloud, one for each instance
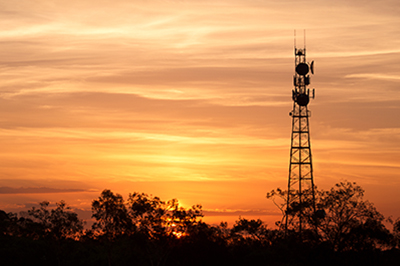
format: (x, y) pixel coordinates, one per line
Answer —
(38, 190)
(109, 92)
(242, 213)
(378, 76)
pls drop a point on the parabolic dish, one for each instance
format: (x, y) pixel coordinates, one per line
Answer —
(302, 69)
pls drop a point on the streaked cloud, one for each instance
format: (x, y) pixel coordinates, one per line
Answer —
(375, 76)
(192, 91)
(33, 190)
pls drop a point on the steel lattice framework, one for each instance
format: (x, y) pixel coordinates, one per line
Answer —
(301, 181)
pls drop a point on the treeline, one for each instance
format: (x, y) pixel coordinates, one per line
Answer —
(144, 230)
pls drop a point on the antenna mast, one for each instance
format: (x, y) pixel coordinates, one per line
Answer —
(301, 196)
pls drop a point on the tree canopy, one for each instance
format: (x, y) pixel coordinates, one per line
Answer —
(343, 219)
(145, 230)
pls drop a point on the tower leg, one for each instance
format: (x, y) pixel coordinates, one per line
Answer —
(300, 204)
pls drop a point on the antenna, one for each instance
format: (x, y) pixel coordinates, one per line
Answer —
(301, 194)
(312, 67)
(304, 40)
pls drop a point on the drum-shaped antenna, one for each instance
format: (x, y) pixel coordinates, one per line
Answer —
(302, 69)
(302, 99)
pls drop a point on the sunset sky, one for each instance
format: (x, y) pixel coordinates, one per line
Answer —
(191, 100)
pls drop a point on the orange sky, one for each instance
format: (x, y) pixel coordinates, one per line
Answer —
(190, 100)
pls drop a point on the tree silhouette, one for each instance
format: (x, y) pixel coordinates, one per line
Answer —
(294, 209)
(147, 213)
(163, 223)
(343, 218)
(144, 230)
(59, 223)
(157, 218)
(249, 230)
(181, 221)
(112, 220)
(396, 234)
(111, 214)
(351, 223)
(47, 230)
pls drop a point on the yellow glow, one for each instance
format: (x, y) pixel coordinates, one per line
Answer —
(190, 99)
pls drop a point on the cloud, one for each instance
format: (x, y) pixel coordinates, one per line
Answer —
(375, 76)
(237, 213)
(37, 190)
(107, 91)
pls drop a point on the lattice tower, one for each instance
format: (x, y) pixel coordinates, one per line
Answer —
(301, 196)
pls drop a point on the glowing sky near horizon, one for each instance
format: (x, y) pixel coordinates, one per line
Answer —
(190, 100)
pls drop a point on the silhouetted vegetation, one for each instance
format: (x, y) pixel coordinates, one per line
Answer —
(144, 230)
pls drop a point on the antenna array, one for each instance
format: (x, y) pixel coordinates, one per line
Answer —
(301, 194)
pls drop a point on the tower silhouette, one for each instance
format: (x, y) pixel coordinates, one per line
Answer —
(301, 196)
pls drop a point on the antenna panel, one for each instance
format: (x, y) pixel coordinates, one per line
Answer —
(312, 67)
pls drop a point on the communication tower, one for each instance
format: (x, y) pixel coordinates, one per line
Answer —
(301, 195)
